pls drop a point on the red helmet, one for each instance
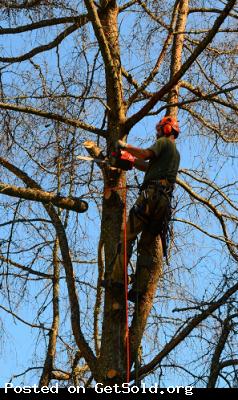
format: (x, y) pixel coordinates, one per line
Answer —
(168, 124)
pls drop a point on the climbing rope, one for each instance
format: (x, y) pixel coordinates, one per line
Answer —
(127, 339)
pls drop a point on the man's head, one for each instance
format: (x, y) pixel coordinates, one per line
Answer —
(168, 126)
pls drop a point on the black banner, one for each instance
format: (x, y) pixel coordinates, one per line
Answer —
(153, 392)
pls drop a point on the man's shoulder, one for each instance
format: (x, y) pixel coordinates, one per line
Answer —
(165, 142)
(160, 142)
(163, 145)
(162, 139)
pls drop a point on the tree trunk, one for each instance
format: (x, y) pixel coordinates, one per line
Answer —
(142, 312)
(112, 359)
(176, 57)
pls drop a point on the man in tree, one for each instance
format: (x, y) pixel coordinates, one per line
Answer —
(150, 214)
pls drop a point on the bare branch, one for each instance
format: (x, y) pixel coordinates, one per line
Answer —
(212, 96)
(203, 231)
(24, 321)
(137, 86)
(152, 15)
(68, 203)
(100, 34)
(45, 47)
(20, 220)
(212, 185)
(127, 5)
(106, 31)
(81, 20)
(167, 42)
(56, 117)
(22, 267)
(228, 363)
(209, 10)
(214, 210)
(229, 137)
(98, 301)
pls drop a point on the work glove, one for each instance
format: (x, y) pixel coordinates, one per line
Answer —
(121, 144)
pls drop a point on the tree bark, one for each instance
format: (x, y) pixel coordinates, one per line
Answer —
(113, 330)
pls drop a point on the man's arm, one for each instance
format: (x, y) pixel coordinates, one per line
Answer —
(144, 154)
(141, 165)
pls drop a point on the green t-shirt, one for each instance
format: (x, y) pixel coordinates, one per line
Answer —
(165, 164)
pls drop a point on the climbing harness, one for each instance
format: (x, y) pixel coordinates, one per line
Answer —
(154, 197)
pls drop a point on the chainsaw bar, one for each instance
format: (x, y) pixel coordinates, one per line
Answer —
(88, 158)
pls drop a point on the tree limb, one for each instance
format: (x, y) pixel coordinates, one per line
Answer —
(45, 47)
(214, 369)
(212, 127)
(22, 267)
(98, 301)
(209, 10)
(99, 32)
(228, 363)
(67, 203)
(56, 117)
(212, 185)
(212, 96)
(176, 54)
(81, 19)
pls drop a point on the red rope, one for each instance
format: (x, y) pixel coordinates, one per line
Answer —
(126, 293)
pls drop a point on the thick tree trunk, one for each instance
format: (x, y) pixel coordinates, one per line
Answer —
(112, 359)
(143, 309)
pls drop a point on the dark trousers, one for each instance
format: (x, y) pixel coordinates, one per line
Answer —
(145, 217)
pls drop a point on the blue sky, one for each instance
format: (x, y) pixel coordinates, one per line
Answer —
(205, 258)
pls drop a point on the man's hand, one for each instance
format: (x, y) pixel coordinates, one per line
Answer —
(121, 144)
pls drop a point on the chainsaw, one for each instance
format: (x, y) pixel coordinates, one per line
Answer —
(117, 159)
